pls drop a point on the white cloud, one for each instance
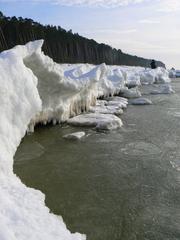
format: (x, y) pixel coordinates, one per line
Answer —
(110, 31)
(103, 3)
(149, 21)
(169, 5)
(161, 5)
(92, 3)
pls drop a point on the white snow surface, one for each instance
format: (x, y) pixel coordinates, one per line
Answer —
(34, 89)
(113, 105)
(23, 214)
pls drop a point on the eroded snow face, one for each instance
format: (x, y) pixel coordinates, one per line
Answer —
(23, 214)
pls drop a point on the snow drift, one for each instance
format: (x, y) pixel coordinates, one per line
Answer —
(34, 90)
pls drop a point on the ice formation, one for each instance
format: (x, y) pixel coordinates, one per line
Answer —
(98, 120)
(74, 136)
(34, 89)
(113, 105)
(140, 101)
(131, 93)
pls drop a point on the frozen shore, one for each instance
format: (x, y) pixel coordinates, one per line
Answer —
(34, 89)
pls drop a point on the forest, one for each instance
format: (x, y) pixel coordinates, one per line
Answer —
(63, 46)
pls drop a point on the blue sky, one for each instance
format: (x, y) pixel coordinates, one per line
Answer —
(147, 28)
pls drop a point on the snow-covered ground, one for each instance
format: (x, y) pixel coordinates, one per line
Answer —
(34, 89)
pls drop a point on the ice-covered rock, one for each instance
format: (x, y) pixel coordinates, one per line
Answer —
(132, 79)
(147, 76)
(131, 93)
(117, 101)
(106, 109)
(101, 103)
(140, 101)
(74, 136)
(113, 105)
(117, 104)
(97, 120)
(161, 75)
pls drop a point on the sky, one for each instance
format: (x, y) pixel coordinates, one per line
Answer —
(146, 28)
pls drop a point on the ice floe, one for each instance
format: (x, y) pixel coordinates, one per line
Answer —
(106, 109)
(75, 135)
(140, 101)
(97, 120)
(117, 101)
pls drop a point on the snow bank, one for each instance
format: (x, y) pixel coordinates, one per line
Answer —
(23, 214)
(34, 89)
(62, 97)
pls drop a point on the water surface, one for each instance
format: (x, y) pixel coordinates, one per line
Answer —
(119, 185)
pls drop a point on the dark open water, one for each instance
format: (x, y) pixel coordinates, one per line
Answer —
(120, 185)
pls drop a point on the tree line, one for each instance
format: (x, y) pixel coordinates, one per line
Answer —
(63, 46)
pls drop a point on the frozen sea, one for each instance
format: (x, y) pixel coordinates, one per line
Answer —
(117, 185)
